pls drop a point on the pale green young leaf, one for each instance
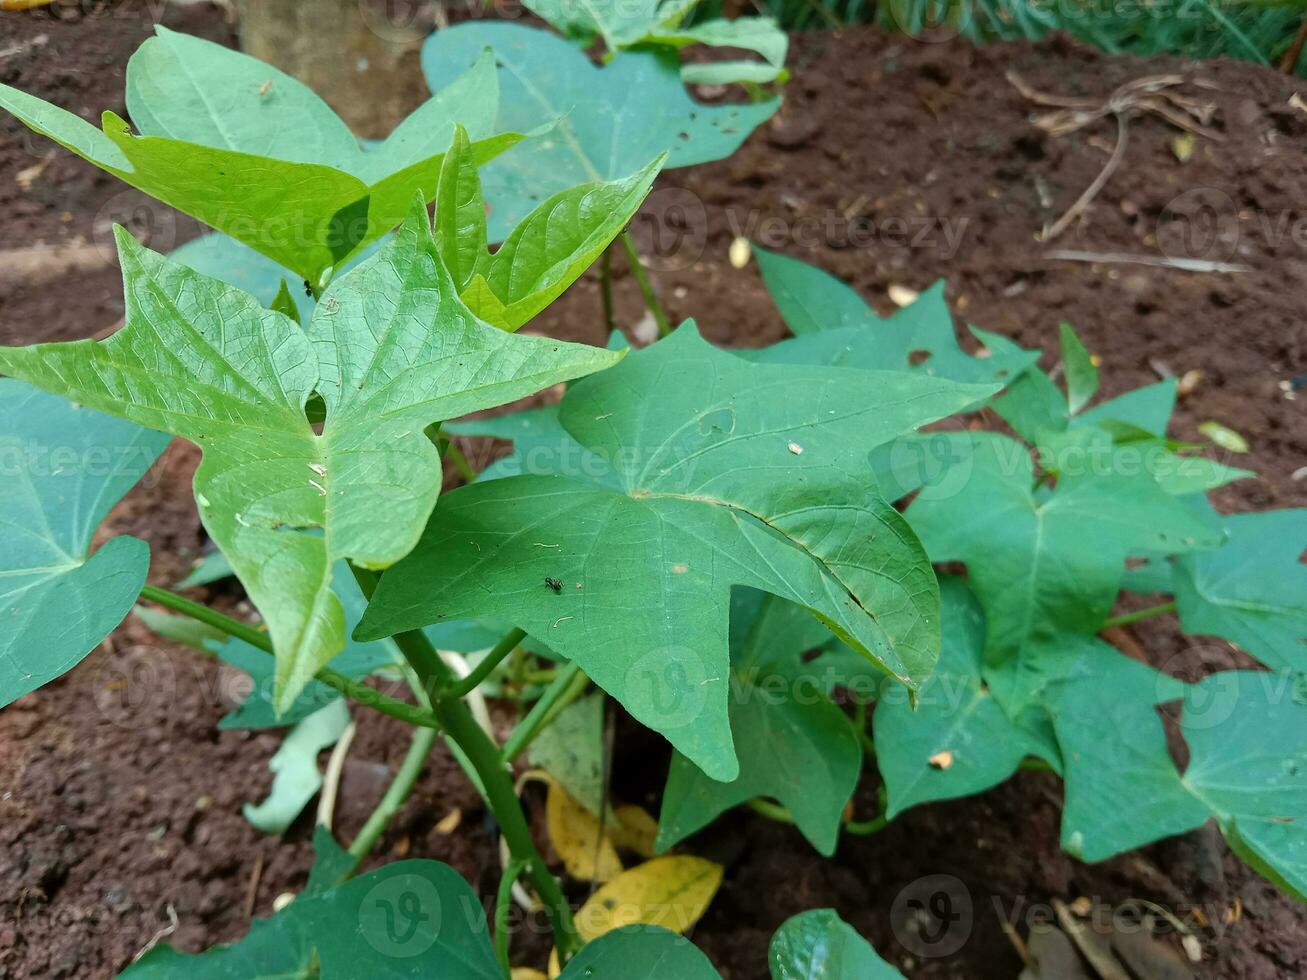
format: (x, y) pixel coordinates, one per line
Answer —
(1025, 549)
(611, 121)
(309, 210)
(1149, 408)
(956, 740)
(1252, 590)
(794, 744)
(748, 475)
(1081, 372)
(296, 778)
(65, 467)
(543, 255)
(819, 945)
(390, 349)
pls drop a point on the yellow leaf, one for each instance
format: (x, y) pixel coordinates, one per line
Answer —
(587, 854)
(672, 892)
(23, 4)
(634, 829)
(526, 973)
(1183, 147)
(1224, 437)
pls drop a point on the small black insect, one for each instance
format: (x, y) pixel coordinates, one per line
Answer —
(554, 584)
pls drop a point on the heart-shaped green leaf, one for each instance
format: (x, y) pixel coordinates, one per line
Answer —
(1025, 546)
(390, 350)
(819, 945)
(250, 151)
(687, 471)
(1252, 590)
(407, 919)
(957, 739)
(640, 952)
(543, 255)
(794, 744)
(65, 467)
(611, 121)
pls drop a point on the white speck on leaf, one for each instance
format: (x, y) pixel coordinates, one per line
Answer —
(796, 449)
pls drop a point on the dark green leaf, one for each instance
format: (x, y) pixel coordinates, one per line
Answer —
(819, 945)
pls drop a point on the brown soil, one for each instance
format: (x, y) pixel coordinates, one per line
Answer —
(119, 798)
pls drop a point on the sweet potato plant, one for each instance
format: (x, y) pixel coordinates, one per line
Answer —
(709, 537)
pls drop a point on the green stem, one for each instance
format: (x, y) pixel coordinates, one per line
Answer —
(564, 689)
(772, 811)
(455, 456)
(396, 794)
(459, 725)
(864, 827)
(1127, 618)
(504, 902)
(1032, 764)
(606, 289)
(488, 663)
(355, 690)
(646, 287)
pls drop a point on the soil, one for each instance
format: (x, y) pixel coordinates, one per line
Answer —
(119, 798)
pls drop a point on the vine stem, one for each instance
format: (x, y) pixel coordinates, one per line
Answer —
(1127, 618)
(461, 727)
(488, 663)
(503, 904)
(365, 695)
(562, 691)
(396, 794)
(646, 287)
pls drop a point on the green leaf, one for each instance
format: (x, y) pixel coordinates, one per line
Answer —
(65, 468)
(819, 945)
(181, 629)
(268, 166)
(1253, 590)
(640, 952)
(543, 255)
(213, 567)
(614, 119)
(571, 750)
(1149, 408)
(390, 350)
(407, 919)
(794, 744)
(1027, 550)
(833, 326)
(761, 35)
(957, 722)
(296, 778)
(1247, 738)
(1081, 372)
(703, 472)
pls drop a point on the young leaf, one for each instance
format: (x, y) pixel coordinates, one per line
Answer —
(794, 744)
(761, 35)
(65, 469)
(640, 952)
(1081, 372)
(213, 567)
(1252, 590)
(819, 945)
(543, 255)
(703, 472)
(390, 350)
(406, 919)
(834, 326)
(1044, 563)
(956, 713)
(296, 778)
(309, 210)
(615, 119)
(1148, 408)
